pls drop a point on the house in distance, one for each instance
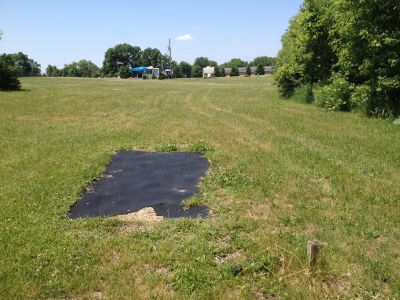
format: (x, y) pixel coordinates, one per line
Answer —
(208, 72)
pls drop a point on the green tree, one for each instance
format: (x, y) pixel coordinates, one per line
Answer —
(197, 71)
(88, 69)
(202, 62)
(186, 69)
(248, 71)
(263, 61)
(366, 40)
(217, 71)
(52, 71)
(151, 57)
(26, 66)
(71, 70)
(124, 72)
(222, 71)
(260, 70)
(235, 63)
(332, 41)
(126, 54)
(8, 74)
(234, 71)
(176, 71)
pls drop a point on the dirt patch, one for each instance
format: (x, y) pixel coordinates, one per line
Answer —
(147, 215)
(227, 257)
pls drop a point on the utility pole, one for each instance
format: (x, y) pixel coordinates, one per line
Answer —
(170, 56)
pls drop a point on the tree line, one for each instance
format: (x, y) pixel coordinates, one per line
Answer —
(196, 70)
(16, 65)
(343, 55)
(120, 59)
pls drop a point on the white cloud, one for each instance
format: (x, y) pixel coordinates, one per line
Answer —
(185, 37)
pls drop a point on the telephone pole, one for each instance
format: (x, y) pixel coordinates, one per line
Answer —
(170, 56)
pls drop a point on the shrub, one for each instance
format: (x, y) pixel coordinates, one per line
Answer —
(334, 96)
(385, 97)
(217, 72)
(222, 72)
(197, 71)
(145, 77)
(234, 71)
(260, 70)
(8, 75)
(153, 77)
(162, 76)
(360, 96)
(304, 93)
(124, 72)
(248, 71)
(288, 79)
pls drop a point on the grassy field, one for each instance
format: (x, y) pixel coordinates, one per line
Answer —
(281, 173)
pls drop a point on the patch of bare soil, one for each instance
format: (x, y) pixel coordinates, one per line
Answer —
(228, 256)
(139, 219)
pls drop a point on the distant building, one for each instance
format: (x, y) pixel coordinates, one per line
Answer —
(208, 72)
(268, 69)
(242, 70)
(228, 71)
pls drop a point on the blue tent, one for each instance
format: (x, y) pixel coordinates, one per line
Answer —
(139, 69)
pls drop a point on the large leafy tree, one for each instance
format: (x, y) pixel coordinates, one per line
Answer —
(88, 68)
(82, 68)
(176, 70)
(263, 61)
(25, 65)
(260, 70)
(234, 71)
(248, 71)
(197, 71)
(121, 54)
(52, 71)
(186, 69)
(151, 57)
(348, 46)
(235, 63)
(367, 42)
(8, 74)
(202, 62)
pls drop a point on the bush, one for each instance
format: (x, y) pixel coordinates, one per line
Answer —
(260, 70)
(360, 96)
(385, 98)
(8, 75)
(153, 77)
(234, 71)
(288, 79)
(162, 76)
(304, 93)
(145, 77)
(222, 72)
(124, 72)
(197, 71)
(248, 71)
(334, 96)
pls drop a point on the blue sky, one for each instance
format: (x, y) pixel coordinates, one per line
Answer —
(59, 32)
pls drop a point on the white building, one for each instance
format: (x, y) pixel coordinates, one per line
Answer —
(208, 72)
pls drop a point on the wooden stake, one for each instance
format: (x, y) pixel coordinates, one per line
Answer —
(313, 249)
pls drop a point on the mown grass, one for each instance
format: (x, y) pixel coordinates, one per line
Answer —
(281, 173)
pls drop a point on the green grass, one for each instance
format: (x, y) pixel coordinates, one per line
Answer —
(281, 173)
